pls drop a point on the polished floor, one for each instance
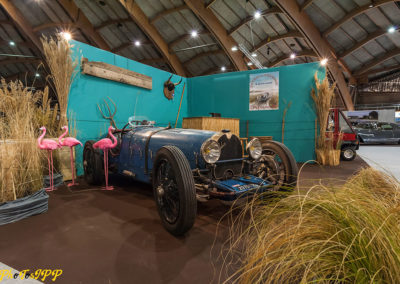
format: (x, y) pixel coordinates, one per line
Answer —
(106, 237)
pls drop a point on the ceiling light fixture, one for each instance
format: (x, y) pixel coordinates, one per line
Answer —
(324, 61)
(234, 48)
(223, 68)
(293, 56)
(391, 30)
(12, 43)
(137, 43)
(254, 54)
(249, 63)
(257, 15)
(371, 5)
(194, 33)
(37, 75)
(66, 35)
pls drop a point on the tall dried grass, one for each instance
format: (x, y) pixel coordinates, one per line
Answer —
(347, 234)
(58, 56)
(21, 161)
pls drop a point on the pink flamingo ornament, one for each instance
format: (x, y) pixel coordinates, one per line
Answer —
(69, 142)
(105, 144)
(50, 146)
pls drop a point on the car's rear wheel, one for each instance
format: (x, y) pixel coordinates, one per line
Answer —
(174, 190)
(348, 153)
(277, 165)
(93, 164)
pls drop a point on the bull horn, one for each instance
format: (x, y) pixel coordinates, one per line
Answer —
(176, 84)
(170, 77)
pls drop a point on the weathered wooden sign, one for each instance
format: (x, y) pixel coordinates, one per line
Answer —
(115, 73)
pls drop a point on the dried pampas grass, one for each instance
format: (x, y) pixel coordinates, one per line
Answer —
(62, 70)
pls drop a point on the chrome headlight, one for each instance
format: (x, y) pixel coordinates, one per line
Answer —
(254, 149)
(211, 151)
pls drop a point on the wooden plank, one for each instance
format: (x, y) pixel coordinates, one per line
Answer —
(115, 73)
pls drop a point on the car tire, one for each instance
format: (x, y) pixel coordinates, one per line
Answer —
(93, 165)
(174, 190)
(287, 161)
(348, 153)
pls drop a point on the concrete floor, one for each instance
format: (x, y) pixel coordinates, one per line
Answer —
(101, 237)
(382, 157)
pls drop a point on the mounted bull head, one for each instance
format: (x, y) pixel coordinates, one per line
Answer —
(169, 88)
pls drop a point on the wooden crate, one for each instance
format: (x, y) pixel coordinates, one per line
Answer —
(212, 123)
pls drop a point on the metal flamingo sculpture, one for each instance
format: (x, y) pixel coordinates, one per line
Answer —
(50, 146)
(69, 142)
(105, 144)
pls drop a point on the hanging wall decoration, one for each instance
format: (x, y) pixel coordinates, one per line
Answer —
(264, 91)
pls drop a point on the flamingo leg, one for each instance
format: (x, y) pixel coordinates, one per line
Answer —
(109, 187)
(48, 162)
(72, 170)
(52, 171)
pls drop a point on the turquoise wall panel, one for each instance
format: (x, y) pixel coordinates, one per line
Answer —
(87, 91)
(228, 94)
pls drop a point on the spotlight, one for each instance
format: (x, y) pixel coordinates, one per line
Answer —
(257, 14)
(137, 43)
(254, 54)
(292, 56)
(194, 33)
(234, 48)
(324, 61)
(66, 35)
(37, 75)
(223, 68)
(391, 30)
(249, 63)
(371, 5)
(12, 43)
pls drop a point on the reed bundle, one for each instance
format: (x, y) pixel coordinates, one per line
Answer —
(345, 234)
(58, 54)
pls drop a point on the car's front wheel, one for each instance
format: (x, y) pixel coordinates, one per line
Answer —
(174, 190)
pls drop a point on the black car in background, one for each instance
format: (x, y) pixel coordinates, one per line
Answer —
(373, 132)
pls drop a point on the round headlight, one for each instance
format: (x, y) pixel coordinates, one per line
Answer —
(254, 149)
(211, 151)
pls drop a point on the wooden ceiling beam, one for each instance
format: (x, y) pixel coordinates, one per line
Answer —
(212, 23)
(388, 55)
(360, 44)
(111, 22)
(21, 21)
(270, 11)
(379, 70)
(167, 12)
(203, 54)
(181, 38)
(62, 25)
(79, 18)
(320, 45)
(143, 22)
(306, 4)
(304, 53)
(210, 3)
(17, 60)
(269, 40)
(353, 14)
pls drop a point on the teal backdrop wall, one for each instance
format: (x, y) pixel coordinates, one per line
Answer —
(228, 94)
(87, 91)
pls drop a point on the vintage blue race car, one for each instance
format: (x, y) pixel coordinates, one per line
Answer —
(186, 165)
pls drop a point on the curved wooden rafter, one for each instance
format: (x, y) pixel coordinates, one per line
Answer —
(208, 18)
(353, 14)
(304, 53)
(203, 54)
(270, 11)
(167, 12)
(139, 17)
(388, 55)
(276, 38)
(360, 44)
(306, 4)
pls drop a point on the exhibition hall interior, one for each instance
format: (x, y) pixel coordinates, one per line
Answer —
(199, 141)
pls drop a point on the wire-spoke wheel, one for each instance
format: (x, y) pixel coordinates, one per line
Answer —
(174, 190)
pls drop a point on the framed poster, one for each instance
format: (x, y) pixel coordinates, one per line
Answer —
(264, 91)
